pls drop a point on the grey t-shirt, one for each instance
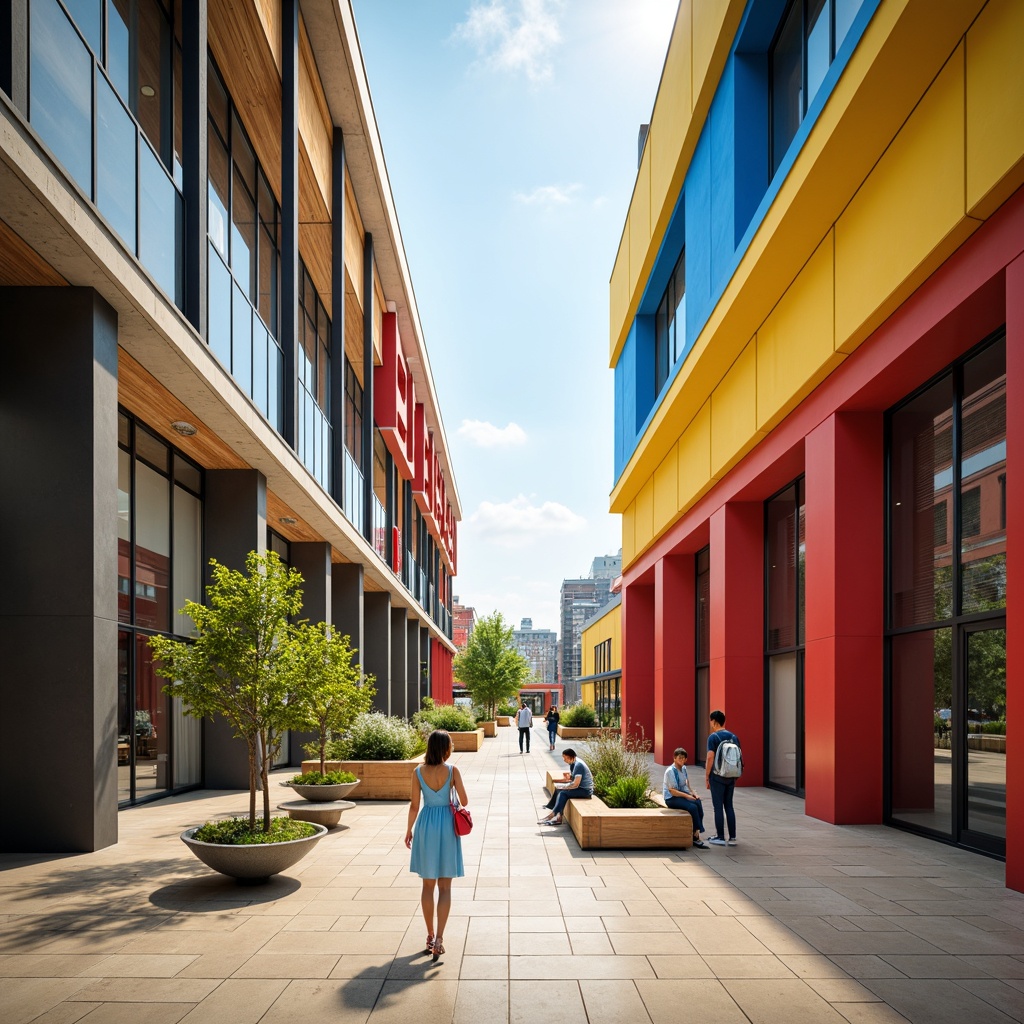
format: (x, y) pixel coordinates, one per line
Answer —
(524, 718)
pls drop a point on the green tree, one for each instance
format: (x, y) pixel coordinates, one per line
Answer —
(490, 667)
(328, 690)
(240, 663)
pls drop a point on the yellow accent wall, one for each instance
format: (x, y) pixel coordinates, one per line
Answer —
(608, 627)
(922, 138)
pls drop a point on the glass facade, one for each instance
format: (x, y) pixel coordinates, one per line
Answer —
(784, 636)
(314, 419)
(670, 325)
(946, 608)
(104, 96)
(159, 557)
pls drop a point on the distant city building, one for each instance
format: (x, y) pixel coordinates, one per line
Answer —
(540, 648)
(463, 621)
(581, 599)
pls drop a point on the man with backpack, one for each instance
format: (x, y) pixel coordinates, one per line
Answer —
(723, 765)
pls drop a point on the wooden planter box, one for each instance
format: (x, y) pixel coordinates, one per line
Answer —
(489, 728)
(381, 780)
(504, 720)
(568, 732)
(597, 826)
(463, 741)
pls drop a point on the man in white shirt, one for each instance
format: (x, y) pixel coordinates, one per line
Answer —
(524, 719)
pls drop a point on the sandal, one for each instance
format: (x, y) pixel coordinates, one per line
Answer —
(438, 947)
(430, 942)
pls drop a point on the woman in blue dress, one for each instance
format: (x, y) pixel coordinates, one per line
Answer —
(436, 849)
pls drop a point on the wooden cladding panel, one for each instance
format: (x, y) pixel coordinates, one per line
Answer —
(353, 243)
(315, 244)
(353, 332)
(315, 127)
(21, 265)
(141, 393)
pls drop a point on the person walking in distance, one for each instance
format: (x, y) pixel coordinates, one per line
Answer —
(524, 719)
(436, 849)
(723, 765)
(552, 718)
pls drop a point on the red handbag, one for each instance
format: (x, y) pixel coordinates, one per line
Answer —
(461, 818)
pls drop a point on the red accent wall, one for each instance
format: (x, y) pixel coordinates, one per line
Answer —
(638, 643)
(737, 629)
(393, 400)
(845, 471)
(440, 672)
(674, 656)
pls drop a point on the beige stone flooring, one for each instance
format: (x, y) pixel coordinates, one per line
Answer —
(801, 922)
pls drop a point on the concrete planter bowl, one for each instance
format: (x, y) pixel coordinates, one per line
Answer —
(316, 794)
(252, 863)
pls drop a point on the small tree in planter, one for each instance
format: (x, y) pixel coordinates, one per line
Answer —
(490, 667)
(329, 690)
(240, 663)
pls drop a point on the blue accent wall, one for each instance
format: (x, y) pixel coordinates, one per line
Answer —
(726, 194)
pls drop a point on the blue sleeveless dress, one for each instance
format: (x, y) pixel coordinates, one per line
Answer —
(436, 849)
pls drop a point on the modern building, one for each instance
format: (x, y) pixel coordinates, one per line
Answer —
(601, 653)
(540, 648)
(463, 621)
(817, 333)
(580, 600)
(606, 567)
(212, 346)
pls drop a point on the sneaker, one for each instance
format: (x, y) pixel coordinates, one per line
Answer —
(552, 821)
(543, 821)
(732, 842)
(700, 844)
(716, 841)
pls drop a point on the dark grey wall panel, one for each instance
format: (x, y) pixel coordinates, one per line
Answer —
(377, 649)
(399, 665)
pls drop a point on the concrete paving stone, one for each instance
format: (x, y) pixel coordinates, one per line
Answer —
(590, 944)
(529, 1002)
(594, 908)
(526, 908)
(128, 1013)
(954, 935)
(655, 924)
(682, 909)
(1002, 996)
(611, 1002)
(539, 944)
(214, 965)
(774, 935)
(868, 966)
(578, 925)
(841, 990)
(870, 1013)
(541, 923)
(767, 966)
(642, 943)
(155, 965)
(546, 967)
(303, 1000)
(1008, 968)
(416, 1002)
(767, 1001)
(335, 942)
(690, 965)
(738, 907)
(66, 1013)
(241, 1001)
(669, 1000)
(386, 924)
(357, 965)
(311, 923)
(487, 937)
(144, 990)
(484, 968)
(476, 993)
(310, 964)
(935, 1001)
(723, 936)
(941, 966)
(811, 965)
(42, 965)
(24, 999)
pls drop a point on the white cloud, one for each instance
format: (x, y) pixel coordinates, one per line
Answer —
(548, 195)
(518, 523)
(513, 35)
(487, 435)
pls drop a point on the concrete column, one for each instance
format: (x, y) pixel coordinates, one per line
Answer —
(377, 646)
(347, 603)
(413, 677)
(845, 472)
(58, 602)
(400, 665)
(234, 523)
(675, 631)
(737, 629)
(638, 644)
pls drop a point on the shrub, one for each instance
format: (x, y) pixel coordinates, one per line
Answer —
(579, 716)
(450, 717)
(618, 758)
(508, 710)
(316, 779)
(237, 832)
(995, 728)
(376, 737)
(631, 792)
(603, 781)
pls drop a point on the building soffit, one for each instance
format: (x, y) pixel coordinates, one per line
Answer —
(330, 24)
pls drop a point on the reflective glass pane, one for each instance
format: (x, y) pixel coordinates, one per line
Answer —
(846, 11)
(986, 732)
(703, 611)
(922, 764)
(921, 480)
(151, 727)
(124, 536)
(218, 323)
(115, 162)
(818, 44)
(152, 548)
(188, 760)
(241, 340)
(983, 482)
(703, 685)
(243, 237)
(219, 169)
(217, 102)
(260, 344)
(187, 574)
(801, 559)
(152, 101)
(88, 15)
(117, 60)
(124, 723)
(783, 720)
(786, 89)
(160, 241)
(60, 88)
(149, 447)
(187, 475)
(267, 300)
(275, 386)
(781, 541)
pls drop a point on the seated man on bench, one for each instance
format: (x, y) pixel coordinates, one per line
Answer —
(680, 797)
(578, 784)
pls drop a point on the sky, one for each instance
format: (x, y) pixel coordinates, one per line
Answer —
(509, 130)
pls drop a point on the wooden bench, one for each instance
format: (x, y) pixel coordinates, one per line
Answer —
(597, 826)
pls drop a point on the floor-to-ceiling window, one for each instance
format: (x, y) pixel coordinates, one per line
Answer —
(702, 668)
(946, 608)
(159, 558)
(784, 637)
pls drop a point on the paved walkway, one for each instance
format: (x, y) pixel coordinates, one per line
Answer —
(801, 922)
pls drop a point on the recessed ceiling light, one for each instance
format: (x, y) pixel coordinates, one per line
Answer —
(147, 90)
(288, 520)
(185, 428)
